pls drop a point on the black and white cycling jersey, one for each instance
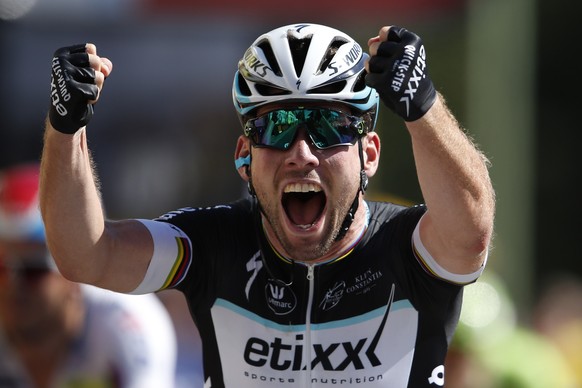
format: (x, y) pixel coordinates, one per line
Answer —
(381, 315)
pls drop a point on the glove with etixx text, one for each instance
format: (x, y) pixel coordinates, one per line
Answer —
(399, 73)
(72, 87)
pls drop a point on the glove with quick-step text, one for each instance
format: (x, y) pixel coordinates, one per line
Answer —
(72, 87)
(399, 73)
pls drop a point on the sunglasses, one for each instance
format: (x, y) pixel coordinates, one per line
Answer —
(326, 128)
(35, 270)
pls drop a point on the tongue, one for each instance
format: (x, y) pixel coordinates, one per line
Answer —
(303, 209)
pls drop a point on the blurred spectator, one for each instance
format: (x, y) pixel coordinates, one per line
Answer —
(189, 372)
(56, 333)
(492, 350)
(558, 317)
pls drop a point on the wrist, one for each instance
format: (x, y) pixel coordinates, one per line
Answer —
(50, 130)
(421, 108)
(438, 117)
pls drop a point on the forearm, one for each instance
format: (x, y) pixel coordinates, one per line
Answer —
(70, 204)
(454, 179)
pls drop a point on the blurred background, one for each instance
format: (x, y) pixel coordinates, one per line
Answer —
(164, 131)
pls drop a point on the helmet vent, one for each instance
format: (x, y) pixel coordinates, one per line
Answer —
(330, 53)
(271, 58)
(299, 48)
(268, 90)
(243, 86)
(360, 83)
(333, 88)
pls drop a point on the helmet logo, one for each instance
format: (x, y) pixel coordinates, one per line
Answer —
(253, 63)
(332, 67)
(299, 27)
(353, 55)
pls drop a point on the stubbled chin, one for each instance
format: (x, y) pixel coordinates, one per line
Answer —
(299, 242)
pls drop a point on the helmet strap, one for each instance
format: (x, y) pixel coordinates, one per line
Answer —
(250, 187)
(363, 186)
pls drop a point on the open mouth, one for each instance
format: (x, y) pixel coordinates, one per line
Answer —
(303, 203)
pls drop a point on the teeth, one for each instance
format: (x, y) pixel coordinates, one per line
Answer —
(301, 188)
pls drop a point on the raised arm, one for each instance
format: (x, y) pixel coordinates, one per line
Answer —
(452, 171)
(86, 247)
(454, 179)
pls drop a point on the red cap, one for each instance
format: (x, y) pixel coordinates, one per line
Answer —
(20, 217)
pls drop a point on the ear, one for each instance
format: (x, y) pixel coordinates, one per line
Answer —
(371, 150)
(242, 156)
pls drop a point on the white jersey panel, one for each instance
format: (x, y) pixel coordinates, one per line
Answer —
(338, 352)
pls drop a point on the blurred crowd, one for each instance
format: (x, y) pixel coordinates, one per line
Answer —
(494, 347)
(55, 333)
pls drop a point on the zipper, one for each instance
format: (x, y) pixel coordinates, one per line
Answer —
(308, 345)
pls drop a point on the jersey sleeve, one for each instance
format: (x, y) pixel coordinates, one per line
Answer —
(171, 259)
(431, 266)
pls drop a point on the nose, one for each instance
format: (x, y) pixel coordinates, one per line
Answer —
(301, 153)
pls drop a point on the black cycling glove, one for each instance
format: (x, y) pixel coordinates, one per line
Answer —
(72, 86)
(400, 75)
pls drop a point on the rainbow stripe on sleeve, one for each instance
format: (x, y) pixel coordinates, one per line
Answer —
(424, 264)
(431, 267)
(181, 263)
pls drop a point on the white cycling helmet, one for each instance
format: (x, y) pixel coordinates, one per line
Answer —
(303, 62)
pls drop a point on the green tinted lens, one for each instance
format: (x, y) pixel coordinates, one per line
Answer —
(326, 128)
(332, 128)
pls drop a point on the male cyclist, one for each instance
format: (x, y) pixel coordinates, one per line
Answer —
(304, 283)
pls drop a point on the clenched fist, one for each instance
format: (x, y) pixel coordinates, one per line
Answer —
(77, 76)
(398, 70)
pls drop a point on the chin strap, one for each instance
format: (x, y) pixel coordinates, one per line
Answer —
(257, 210)
(354, 208)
